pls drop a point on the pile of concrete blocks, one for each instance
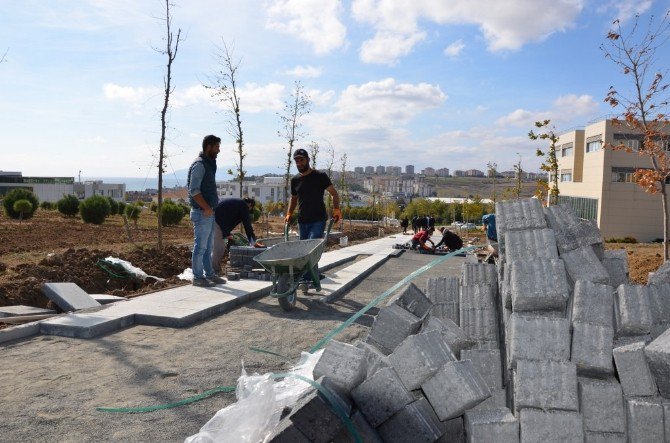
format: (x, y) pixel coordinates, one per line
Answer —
(241, 256)
(430, 369)
(551, 344)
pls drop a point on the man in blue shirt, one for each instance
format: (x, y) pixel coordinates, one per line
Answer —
(203, 197)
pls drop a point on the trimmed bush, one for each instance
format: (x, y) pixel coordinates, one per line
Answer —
(94, 209)
(22, 207)
(171, 214)
(133, 211)
(47, 206)
(16, 195)
(113, 206)
(153, 207)
(255, 214)
(68, 205)
(121, 209)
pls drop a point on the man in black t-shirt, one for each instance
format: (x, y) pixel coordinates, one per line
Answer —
(307, 188)
(449, 239)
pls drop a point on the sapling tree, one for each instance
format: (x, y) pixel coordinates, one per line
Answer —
(550, 161)
(642, 102)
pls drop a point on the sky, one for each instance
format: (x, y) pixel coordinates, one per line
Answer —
(453, 84)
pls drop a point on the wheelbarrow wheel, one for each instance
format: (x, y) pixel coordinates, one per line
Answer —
(284, 284)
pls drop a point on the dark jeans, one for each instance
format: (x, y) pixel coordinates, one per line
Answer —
(309, 231)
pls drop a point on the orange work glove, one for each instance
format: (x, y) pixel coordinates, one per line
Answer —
(287, 219)
(259, 245)
(337, 214)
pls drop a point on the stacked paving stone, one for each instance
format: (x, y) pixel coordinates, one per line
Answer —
(551, 345)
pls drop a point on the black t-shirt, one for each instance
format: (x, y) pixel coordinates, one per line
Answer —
(450, 240)
(309, 189)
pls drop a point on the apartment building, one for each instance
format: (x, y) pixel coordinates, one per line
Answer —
(271, 189)
(399, 186)
(52, 189)
(598, 182)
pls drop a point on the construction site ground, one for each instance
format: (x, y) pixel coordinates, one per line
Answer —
(52, 385)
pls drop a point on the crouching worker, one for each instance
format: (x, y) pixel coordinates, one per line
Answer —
(421, 238)
(489, 222)
(229, 213)
(450, 240)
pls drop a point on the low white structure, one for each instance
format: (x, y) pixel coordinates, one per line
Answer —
(271, 189)
(52, 189)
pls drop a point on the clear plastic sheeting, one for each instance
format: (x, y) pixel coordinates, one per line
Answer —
(186, 275)
(130, 269)
(260, 402)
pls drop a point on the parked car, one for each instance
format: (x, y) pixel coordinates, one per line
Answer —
(468, 226)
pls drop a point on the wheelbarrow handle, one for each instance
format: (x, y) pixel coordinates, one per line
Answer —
(285, 231)
(331, 222)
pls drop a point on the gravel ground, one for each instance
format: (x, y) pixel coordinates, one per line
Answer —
(51, 385)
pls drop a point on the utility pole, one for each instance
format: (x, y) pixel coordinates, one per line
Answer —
(80, 176)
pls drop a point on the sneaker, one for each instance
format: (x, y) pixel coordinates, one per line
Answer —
(216, 280)
(203, 283)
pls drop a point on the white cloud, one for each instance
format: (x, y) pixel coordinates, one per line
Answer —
(129, 94)
(315, 21)
(564, 110)
(505, 25)
(454, 49)
(308, 71)
(625, 9)
(319, 97)
(96, 140)
(387, 47)
(257, 98)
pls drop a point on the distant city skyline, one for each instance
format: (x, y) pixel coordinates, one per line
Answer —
(434, 84)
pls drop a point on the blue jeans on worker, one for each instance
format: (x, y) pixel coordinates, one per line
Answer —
(203, 235)
(309, 231)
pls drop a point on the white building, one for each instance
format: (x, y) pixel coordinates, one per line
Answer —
(97, 187)
(271, 189)
(405, 186)
(52, 189)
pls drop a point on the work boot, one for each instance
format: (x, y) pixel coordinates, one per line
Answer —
(217, 280)
(203, 283)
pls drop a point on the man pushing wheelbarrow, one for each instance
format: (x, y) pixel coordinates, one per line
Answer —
(307, 190)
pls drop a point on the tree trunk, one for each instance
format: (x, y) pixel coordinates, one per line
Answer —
(666, 219)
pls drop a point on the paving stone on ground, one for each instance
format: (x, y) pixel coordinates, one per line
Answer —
(84, 325)
(633, 371)
(538, 426)
(602, 405)
(645, 420)
(455, 388)
(593, 303)
(603, 437)
(538, 285)
(592, 349)
(537, 338)
(658, 358)
(497, 425)
(391, 326)
(479, 274)
(68, 296)
(105, 299)
(530, 244)
(419, 356)
(616, 263)
(381, 395)
(583, 264)
(545, 385)
(22, 310)
(453, 335)
(632, 314)
(488, 363)
(416, 422)
(343, 364)
(412, 299)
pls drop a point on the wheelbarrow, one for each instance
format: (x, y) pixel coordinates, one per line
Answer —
(288, 262)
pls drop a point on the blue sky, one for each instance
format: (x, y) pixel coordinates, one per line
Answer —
(451, 84)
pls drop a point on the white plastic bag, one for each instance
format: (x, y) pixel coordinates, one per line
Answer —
(186, 275)
(260, 402)
(130, 269)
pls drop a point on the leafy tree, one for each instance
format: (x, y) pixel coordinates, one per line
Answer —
(68, 205)
(22, 207)
(550, 162)
(113, 206)
(20, 194)
(644, 107)
(121, 209)
(94, 209)
(224, 88)
(133, 211)
(290, 120)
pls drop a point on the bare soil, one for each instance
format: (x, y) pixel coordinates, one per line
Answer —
(53, 248)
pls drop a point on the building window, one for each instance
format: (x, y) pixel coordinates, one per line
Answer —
(566, 152)
(586, 208)
(594, 146)
(623, 175)
(632, 144)
(566, 175)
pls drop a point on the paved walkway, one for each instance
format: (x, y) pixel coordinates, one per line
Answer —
(186, 305)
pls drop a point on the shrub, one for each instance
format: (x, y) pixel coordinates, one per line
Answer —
(47, 206)
(13, 197)
(171, 214)
(255, 214)
(121, 209)
(113, 206)
(68, 205)
(94, 209)
(153, 207)
(621, 240)
(22, 207)
(133, 211)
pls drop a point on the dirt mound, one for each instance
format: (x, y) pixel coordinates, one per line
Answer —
(83, 267)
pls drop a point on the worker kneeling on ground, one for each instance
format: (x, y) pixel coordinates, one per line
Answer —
(450, 240)
(229, 213)
(421, 238)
